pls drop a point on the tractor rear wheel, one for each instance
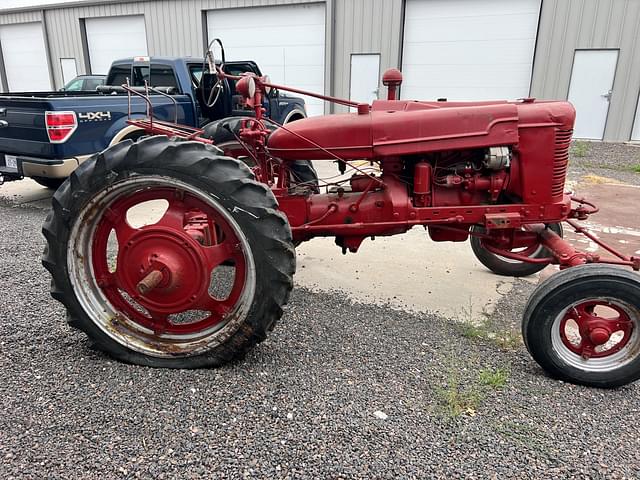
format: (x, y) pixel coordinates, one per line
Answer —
(167, 254)
(506, 266)
(582, 325)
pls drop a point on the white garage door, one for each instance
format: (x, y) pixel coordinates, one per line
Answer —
(469, 49)
(25, 57)
(286, 41)
(113, 38)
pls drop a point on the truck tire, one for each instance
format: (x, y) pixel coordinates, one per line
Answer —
(155, 301)
(582, 325)
(223, 133)
(506, 266)
(52, 183)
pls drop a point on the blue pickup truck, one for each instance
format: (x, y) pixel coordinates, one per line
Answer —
(46, 135)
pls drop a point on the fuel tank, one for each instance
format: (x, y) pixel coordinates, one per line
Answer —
(393, 128)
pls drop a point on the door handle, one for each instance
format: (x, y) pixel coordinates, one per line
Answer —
(607, 95)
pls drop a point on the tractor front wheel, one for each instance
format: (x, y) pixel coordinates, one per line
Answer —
(582, 325)
(167, 254)
(507, 266)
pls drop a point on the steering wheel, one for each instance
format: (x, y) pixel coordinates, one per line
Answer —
(209, 61)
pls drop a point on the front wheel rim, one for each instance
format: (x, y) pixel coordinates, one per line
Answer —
(597, 334)
(157, 296)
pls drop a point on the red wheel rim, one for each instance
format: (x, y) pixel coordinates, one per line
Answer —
(598, 323)
(169, 247)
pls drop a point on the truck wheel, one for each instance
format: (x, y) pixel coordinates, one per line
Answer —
(582, 325)
(506, 266)
(198, 285)
(223, 133)
(52, 183)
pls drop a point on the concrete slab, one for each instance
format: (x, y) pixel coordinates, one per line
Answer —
(617, 222)
(405, 271)
(26, 191)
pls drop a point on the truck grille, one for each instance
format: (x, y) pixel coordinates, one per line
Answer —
(561, 161)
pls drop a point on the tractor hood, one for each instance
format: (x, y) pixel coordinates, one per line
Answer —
(393, 128)
(397, 128)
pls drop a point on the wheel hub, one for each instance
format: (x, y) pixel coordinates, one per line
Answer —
(596, 329)
(166, 266)
(599, 336)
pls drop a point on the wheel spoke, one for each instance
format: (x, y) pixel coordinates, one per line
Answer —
(217, 254)
(218, 308)
(159, 322)
(174, 216)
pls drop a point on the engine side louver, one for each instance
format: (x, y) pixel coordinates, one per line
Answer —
(560, 161)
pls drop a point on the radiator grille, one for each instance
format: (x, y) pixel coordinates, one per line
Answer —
(560, 161)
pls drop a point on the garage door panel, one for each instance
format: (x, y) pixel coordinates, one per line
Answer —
(477, 93)
(469, 49)
(494, 51)
(25, 57)
(267, 36)
(466, 8)
(305, 55)
(304, 77)
(286, 41)
(457, 76)
(461, 29)
(113, 38)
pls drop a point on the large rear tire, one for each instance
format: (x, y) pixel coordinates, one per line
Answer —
(582, 325)
(149, 294)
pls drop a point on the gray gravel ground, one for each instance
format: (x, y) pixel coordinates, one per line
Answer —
(301, 405)
(612, 160)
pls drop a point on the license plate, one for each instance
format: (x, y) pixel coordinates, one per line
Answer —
(11, 162)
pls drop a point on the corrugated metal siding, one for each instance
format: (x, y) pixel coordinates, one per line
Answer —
(567, 25)
(21, 17)
(365, 26)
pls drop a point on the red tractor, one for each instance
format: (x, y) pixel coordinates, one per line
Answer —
(206, 281)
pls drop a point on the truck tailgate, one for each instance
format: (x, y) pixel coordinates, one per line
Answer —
(23, 129)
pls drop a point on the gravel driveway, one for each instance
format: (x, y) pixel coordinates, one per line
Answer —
(339, 390)
(618, 161)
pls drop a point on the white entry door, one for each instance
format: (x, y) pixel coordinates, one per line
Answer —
(365, 77)
(635, 135)
(590, 90)
(286, 41)
(25, 57)
(113, 38)
(69, 69)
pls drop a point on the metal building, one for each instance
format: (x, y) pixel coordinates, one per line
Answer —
(587, 51)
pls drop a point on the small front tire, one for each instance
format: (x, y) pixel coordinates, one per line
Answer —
(582, 325)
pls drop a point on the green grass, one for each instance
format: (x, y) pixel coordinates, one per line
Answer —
(580, 149)
(506, 339)
(457, 400)
(636, 168)
(495, 379)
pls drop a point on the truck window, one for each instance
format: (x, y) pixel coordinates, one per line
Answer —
(118, 75)
(195, 72)
(157, 76)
